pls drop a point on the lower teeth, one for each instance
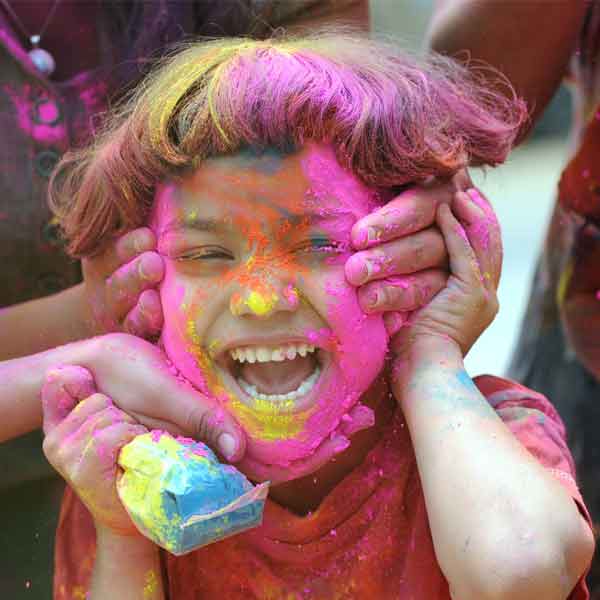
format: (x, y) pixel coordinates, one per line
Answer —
(300, 391)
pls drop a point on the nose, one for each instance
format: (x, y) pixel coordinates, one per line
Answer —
(262, 300)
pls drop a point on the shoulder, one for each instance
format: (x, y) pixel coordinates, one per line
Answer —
(504, 393)
(533, 420)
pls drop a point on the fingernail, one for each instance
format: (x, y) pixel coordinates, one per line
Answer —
(142, 242)
(150, 268)
(360, 239)
(227, 445)
(359, 270)
(373, 299)
(372, 234)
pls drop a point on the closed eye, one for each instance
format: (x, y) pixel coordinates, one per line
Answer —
(207, 253)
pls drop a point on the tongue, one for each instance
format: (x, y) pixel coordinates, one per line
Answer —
(278, 377)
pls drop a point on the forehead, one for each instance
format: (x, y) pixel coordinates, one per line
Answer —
(268, 185)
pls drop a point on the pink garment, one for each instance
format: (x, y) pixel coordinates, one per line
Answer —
(369, 538)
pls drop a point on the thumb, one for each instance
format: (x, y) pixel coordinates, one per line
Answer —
(208, 422)
(63, 388)
(192, 413)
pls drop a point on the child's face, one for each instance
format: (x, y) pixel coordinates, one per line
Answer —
(255, 249)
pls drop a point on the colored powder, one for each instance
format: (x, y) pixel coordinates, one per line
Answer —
(181, 497)
(261, 304)
(150, 584)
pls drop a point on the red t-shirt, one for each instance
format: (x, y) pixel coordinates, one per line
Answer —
(369, 538)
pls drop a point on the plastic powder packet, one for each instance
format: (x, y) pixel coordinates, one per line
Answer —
(180, 496)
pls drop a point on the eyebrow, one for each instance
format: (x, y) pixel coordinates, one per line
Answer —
(221, 225)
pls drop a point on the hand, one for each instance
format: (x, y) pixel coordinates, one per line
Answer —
(84, 435)
(139, 379)
(402, 260)
(579, 297)
(468, 304)
(119, 286)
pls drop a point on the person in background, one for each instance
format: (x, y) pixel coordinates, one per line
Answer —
(558, 352)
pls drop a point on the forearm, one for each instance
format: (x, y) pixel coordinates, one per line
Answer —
(514, 37)
(500, 523)
(127, 568)
(21, 381)
(42, 324)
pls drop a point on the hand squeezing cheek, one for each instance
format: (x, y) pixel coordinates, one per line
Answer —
(257, 309)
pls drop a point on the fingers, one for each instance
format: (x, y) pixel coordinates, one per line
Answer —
(210, 424)
(145, 319)
(65, 444)
(483, 231)
(126, 284)
(410, 211)
(410, 254)
(63, 388)
(100, 452)
(402, 293)
(394, 321)
(127, 247)
(463, 262)
(96, 404)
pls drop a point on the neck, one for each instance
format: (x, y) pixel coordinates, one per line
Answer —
(304, 495)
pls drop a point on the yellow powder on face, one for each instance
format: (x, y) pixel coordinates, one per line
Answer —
(265, 421)
(261, 304)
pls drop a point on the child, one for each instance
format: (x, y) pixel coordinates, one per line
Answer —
(392, 476)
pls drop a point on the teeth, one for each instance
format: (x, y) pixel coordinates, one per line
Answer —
(303, 389)
(253, 354)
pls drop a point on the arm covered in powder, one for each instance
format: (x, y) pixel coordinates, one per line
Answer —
(126, 567)
(502, 525)
(129, 369)
(515, 37)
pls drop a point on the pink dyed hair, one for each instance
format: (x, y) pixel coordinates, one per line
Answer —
(391, 117)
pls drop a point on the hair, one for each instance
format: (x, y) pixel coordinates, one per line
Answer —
(391, 118)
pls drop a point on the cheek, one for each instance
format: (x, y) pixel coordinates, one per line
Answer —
(362, 339)
(181, 305)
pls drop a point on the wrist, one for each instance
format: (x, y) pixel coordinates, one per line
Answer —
(413, 346)
(118, 544)
(82, 315)
(424, 354)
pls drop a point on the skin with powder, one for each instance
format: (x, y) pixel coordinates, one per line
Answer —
(272, 255)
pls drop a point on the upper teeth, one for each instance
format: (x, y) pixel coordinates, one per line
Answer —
(270, 353)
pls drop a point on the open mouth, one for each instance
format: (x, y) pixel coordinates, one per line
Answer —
(283, 377)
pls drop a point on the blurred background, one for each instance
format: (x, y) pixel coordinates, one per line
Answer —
(521, 191)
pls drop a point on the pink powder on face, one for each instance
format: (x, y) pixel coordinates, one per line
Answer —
(357, 342)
